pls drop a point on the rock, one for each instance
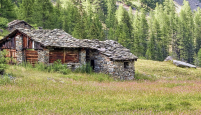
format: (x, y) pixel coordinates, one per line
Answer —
(169, 58)
(61, 81)
(183, 64)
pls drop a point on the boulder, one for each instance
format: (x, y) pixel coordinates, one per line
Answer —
(169, 58)
(183, 64)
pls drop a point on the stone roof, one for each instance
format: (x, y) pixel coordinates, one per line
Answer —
(14, 22)
(59, 38)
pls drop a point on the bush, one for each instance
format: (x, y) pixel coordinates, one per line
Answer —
(86, 68)
(56, 67)
(3, 61)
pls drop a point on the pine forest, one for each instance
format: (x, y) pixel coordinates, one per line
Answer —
(154, 31)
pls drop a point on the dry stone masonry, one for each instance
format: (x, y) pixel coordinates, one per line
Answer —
(19, 52)
(18, 24)
(108, 56)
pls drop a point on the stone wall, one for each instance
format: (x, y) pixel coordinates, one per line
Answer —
(115, 68)
(82, 56)
(43, 56)
(19, 53)
(124, 73)
(19, 25)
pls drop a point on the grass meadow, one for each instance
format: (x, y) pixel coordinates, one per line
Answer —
(159, 88)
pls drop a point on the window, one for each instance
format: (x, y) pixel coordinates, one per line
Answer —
(126, 65)
(33, 45)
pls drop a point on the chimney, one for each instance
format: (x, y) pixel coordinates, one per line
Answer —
(40, 28)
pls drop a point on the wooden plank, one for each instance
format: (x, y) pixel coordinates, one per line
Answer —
(56, 55)
(24, 42)
(31, 56)
(30, 44)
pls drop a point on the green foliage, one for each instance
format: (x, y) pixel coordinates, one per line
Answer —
(57, 66)
(7, 9)
(3, 22)
(26, 10)
(199, 58)
(86, 68)
(153, 35)
(3, 61)
(5, 80)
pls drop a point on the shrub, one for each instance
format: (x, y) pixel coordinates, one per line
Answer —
(40, 66)
(3, 61)
(85, 68)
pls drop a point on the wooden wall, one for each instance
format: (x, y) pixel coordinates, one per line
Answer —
(31, 56)
(11, 54)
(66, 56)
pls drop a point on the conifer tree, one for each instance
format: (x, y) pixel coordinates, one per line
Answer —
(186, 33)
(110, 13)
(7, 9)
(169, 9)
(26, 9)
(43, 12)
(199, 58)
(197, 30)
(140, 29)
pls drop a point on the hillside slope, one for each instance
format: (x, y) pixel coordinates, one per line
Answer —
(37, 92)
(166, 70)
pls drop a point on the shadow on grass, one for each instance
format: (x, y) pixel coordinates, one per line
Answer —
(141, 77)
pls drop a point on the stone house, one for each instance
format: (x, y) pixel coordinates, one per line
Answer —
(18, 24)
(47, 46)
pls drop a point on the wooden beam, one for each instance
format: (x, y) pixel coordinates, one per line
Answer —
(64, 56)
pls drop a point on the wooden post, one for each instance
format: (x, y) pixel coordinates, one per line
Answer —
(64, 56)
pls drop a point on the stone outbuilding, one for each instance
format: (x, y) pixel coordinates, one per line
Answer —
(18, 24)
(47, 46)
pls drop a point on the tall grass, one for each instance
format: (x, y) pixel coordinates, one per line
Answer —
(57, 66)
(43, 92)
(166, 70)
(39, 92)
(85, 68)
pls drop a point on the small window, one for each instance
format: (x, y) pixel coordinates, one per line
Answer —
(126, 65)
(33, 45)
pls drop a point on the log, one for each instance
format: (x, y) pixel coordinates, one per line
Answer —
(183, 64)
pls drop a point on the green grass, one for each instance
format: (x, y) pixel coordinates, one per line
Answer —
(166, 70)
(37, 92)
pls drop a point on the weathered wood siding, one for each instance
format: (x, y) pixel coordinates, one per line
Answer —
(28, 43)
(9, 43)
(11, 53)
(56, 55)
(31, 56)
(71, 56)
(66, 56)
